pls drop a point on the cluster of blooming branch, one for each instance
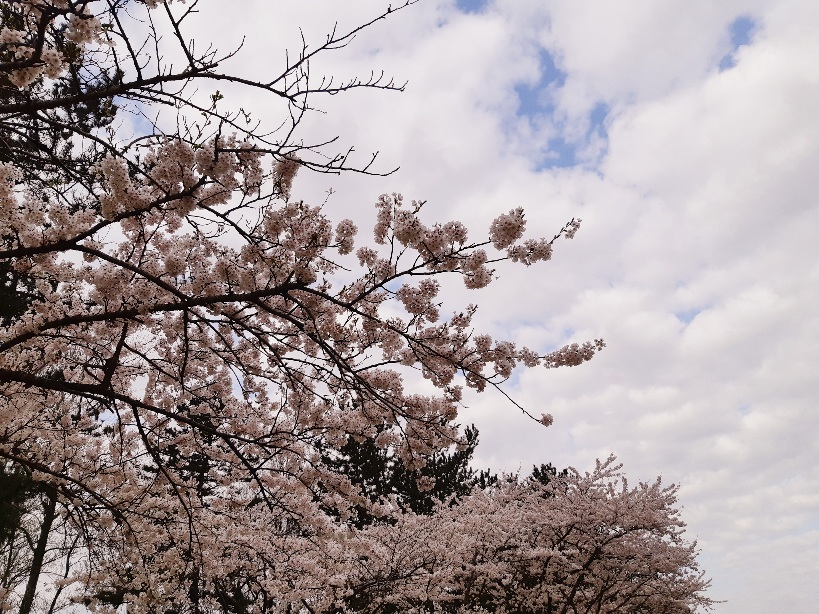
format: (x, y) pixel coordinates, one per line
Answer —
(29, 57)
(244, 355)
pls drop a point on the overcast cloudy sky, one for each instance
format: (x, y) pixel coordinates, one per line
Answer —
(686, 136)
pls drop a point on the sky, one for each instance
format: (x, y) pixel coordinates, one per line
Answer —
(686, 136)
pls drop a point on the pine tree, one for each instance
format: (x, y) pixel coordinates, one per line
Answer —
(380, 474)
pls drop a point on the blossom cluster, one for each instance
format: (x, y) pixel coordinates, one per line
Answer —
(35, 60)
(35, 56)
(508, 228)
(345, 234)
(8, 177)
(207, 176)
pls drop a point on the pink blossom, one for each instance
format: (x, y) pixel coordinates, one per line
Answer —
(345, 234)
(507, 228)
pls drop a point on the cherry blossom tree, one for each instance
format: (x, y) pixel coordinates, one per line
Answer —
(189, 338)
(581, 543)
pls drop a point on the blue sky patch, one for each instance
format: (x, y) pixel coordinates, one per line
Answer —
(471, 6)
(534, 99)
(687, 316)
(597, 117)
(560, 154)
(742, 32)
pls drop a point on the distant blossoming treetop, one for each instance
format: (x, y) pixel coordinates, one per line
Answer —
(578, 543)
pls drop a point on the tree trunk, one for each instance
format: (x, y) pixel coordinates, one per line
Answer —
(39, 551)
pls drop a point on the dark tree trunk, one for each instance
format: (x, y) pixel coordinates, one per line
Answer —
(39, 551)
